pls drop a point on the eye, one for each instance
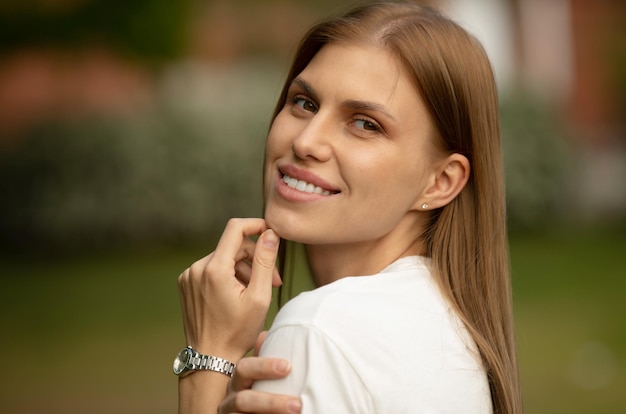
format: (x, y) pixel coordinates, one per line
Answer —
(367, 125)
(304, 103)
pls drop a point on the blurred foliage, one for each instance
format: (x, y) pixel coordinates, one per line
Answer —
(148, 29)
(537, 160)
(178, 172)
(172, 175)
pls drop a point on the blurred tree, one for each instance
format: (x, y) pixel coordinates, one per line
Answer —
(537, 163)
(151, 30)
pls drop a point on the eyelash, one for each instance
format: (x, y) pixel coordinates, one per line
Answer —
(297, 99)
(375, 125)
(294, 100)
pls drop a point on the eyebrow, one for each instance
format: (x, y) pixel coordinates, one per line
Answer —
(350, 103)
(306, 87)
(368, 106)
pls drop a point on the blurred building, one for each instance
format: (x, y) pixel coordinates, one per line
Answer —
(571, 54)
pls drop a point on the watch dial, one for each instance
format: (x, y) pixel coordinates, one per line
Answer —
(181, 361)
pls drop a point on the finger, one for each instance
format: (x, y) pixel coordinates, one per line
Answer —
(243, 271)
(276, 280)
(264, 264)
(243, 266)
(246, 251)
(259, 342)
(198, 268)
(236, 231)
(249, 401)
(256, 368)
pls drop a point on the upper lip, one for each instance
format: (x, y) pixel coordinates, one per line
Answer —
(308, 176)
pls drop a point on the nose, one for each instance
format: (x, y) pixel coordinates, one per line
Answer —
(313, 142)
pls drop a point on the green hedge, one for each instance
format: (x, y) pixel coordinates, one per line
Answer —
(104, 181)
(538, 161)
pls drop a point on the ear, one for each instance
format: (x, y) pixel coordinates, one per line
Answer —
(449, 178)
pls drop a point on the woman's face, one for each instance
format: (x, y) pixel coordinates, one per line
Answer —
(348, 156)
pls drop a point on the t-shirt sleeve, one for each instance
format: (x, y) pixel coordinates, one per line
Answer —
(321, 374)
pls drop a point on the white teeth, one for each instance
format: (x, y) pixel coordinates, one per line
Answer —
(304, 186)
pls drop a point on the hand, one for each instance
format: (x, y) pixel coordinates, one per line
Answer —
(241, 399)
(225, 296)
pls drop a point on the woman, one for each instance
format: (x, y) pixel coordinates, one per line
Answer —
(383, 160)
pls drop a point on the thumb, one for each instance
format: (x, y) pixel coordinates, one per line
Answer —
(264, 263)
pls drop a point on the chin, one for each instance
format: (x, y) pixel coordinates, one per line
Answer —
(281, 225)
(290, 227)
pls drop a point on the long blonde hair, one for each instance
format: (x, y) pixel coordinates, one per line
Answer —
(466, 239)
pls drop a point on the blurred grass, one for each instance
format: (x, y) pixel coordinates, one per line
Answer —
(571, 332)
(97, 334)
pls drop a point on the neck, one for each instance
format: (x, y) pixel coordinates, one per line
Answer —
(332, 262)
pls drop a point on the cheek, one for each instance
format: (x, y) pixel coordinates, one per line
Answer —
(277, 145)
(278, 138)
(385, 172)
(396, 182)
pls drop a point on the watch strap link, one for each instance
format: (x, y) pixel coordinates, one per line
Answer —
(211, 363)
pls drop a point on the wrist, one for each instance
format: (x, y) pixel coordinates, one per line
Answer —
(201, 392)
(231, 353)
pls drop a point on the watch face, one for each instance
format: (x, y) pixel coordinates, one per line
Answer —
(180, 362)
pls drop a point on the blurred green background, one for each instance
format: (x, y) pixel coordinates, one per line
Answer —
(130, 132)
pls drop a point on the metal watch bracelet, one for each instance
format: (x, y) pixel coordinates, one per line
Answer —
(189, 360)
(212, 363)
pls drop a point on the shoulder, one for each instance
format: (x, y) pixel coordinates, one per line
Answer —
(398, 311)
(394, 330)
(403, 293)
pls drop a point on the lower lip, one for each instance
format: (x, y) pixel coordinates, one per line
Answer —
(292, 194)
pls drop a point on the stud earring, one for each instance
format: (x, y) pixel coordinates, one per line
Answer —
(424, 206)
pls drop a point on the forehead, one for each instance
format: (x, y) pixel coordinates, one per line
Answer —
(362, 72)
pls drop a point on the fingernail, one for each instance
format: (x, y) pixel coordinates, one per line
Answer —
(281, 366)
(294, 406)
(270, 239)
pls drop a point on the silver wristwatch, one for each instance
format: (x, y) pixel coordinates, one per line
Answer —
(189, 360)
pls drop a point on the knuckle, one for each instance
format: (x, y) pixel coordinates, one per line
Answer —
(234, 223)
(278, 404)
(182, 278)
(239, 400)
(264, 260)
(213, 267)
(195, 269)
(260, 303)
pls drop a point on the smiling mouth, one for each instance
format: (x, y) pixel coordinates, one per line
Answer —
(305, 187)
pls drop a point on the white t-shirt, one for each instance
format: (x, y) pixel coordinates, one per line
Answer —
(387, 343)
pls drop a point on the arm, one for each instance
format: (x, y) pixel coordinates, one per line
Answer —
(242, 399)
(322, 373)
(224, 299)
